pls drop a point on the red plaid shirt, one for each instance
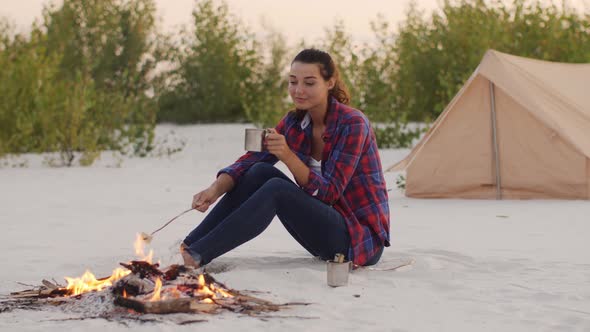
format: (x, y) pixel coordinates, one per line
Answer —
(351, 178)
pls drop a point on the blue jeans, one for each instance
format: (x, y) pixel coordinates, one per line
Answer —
(247, 210)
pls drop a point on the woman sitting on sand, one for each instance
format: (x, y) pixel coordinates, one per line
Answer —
(338, 202)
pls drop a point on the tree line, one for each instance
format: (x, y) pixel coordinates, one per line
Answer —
(96, 75)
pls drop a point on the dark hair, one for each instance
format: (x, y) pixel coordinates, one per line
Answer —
(328, 70)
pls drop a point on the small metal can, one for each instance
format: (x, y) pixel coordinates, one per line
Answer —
(338, 273)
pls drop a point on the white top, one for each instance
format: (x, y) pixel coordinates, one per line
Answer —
(315, 165)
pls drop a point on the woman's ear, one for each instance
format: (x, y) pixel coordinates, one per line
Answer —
(331, 83)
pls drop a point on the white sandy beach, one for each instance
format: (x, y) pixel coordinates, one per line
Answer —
(479, 265)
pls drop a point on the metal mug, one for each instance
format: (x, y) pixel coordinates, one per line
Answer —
(254, 139)
(338, 273)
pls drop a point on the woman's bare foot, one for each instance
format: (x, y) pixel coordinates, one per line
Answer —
(186, 256)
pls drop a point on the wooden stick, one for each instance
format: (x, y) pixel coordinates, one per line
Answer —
(408, 263)
(49, 284)
(148, 237)
(23, 284)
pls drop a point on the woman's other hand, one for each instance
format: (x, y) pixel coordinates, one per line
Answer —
(276, 144)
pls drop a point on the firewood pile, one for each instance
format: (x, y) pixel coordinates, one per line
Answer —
(146, 289)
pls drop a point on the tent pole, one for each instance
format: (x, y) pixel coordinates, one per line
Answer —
(495, 141)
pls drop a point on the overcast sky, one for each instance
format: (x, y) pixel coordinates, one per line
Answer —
(296, 19)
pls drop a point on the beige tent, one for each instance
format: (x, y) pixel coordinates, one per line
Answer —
(518, 129)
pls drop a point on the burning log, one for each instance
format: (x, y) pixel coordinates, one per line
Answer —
(143, 268)
(186, 305)
(133, 285)
(174, 271)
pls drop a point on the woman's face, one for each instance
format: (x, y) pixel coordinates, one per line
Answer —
(307, 87)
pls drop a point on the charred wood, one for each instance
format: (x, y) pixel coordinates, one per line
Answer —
(143, 269)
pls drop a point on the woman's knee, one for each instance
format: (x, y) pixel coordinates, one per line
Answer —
(260, 172)
(279, 190)
(278, 185)
(375, 259)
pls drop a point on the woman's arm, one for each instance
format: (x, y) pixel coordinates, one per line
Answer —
(277, 145)
(223, 184)
(205, 198)
(298, 168)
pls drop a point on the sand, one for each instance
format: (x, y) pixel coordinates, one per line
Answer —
(479, 265)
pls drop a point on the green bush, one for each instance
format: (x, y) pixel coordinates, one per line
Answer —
(435, 56)
(369, 71)
(264, 94)
(78, 83)
(214, 59)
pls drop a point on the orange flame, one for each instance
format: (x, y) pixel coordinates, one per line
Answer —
(203, 289)
(139, 245)
(157, 290)
(210, 290)
(224, 293)
(175, 293)
(88, 282)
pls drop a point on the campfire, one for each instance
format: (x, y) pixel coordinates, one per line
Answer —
(88, 282)
(142, 286)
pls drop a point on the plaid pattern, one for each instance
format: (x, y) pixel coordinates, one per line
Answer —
(351, 178)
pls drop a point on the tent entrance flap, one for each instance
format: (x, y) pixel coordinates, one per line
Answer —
(495, 152)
